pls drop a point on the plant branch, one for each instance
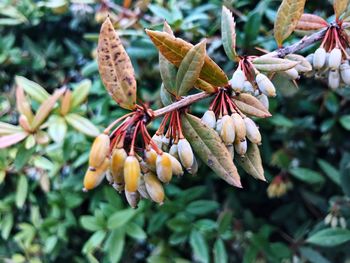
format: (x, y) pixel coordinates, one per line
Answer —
(281, 52)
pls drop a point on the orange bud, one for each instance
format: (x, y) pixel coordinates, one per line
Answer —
(164, 167)
(154, 188)
(99, 150)
(150, 159)
(94, 177)
(66, 102)
(133, 198)
(117, 165)
(132, 172)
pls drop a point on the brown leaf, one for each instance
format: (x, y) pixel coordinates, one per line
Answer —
(175, 49)
(205, 86)
(310, 22)
(250, 105)
(45, 108)
(115, 67)
(288, 15)
(23, 105)
(339, 7)
(8, 140)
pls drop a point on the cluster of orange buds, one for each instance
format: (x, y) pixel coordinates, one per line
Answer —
(279, 186)
(139, 171)
(331, 59)
(230, 123)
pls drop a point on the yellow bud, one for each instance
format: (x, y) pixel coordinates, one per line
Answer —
(228, 130)
(99, 150)
(240, 129)
(66, 102)
(117, 165)
(185, 153)
(154, 188)
(94, 177)
(132, 173)
(133, 198)
(150, 159)
(176, 166)
(231, 150)
(164, 167)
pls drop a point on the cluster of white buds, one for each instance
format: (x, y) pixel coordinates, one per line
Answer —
(334, 220)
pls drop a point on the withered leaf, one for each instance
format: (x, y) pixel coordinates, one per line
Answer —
(288, 15)
(115, 67)
(209, 147)
(228, 33)
(251, 162)
(339, 7)
(250, 105)
(310, 22)
(175, 49)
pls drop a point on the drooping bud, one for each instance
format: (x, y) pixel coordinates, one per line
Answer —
(118, 158)
(176, 166)
(345, 72)
(154, 188)
(253, 133)
(93, 178)
(291, 74)
(209, 119)
(265, 85)
(132, 173)
(99, 150)
(164, 167)
(218, 125)
(240, 128)
(248, 87)
(173, 151)
(264, 100)
(150, 159)
(228, 130)
(185, 153)
(133, 198)
(334, 59)
(319, 58)
(194, 168)
(241, 147)
(310, 58)
(142, 188)
(237, 80)
(165, 143)
(333, 79)
(157, 140)
(109, 177)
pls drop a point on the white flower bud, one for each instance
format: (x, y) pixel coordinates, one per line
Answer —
(264, 100)
(176, 166)
(241, 147)
(291, 74)
(133, 198)
(333, 79)
(328, 219)
(334, 59)
(265, 85)
(342, 222)
(209, 118)
(253, 133)
(334, 222)
(319, 58)
(240, 128)
(157, 140)
(194, 168)
(185, 153)
(345, 72)
(173, 151)
(237, 80)
(218, 125)
(248, 87)
(310, 58)
(165, 143)
(228, 130)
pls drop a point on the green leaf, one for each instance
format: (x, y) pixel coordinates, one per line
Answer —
(220, 254)
(33, 89)
(22, 157)
(202, 207)
(120, 218)
(6, 225)
(91, 223)
(330, 171)
(80, 92)
(251, 162)
(135, 231)
(330, 237)
(267, 63)
(344, 173)
(199, 247)
(115, 245)
(209, 147)
(82, 124)
(21, 191)
(228, 33)
(312, 255)
(190, 68)
(345, 122)
(57, 128)
(165, 96)
(307, 175)
(94, 241)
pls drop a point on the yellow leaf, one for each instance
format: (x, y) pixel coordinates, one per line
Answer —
(339, 7)
(175, 49)
(288, 15)
(115, 67)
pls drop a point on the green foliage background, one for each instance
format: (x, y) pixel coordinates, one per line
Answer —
(203, 219)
